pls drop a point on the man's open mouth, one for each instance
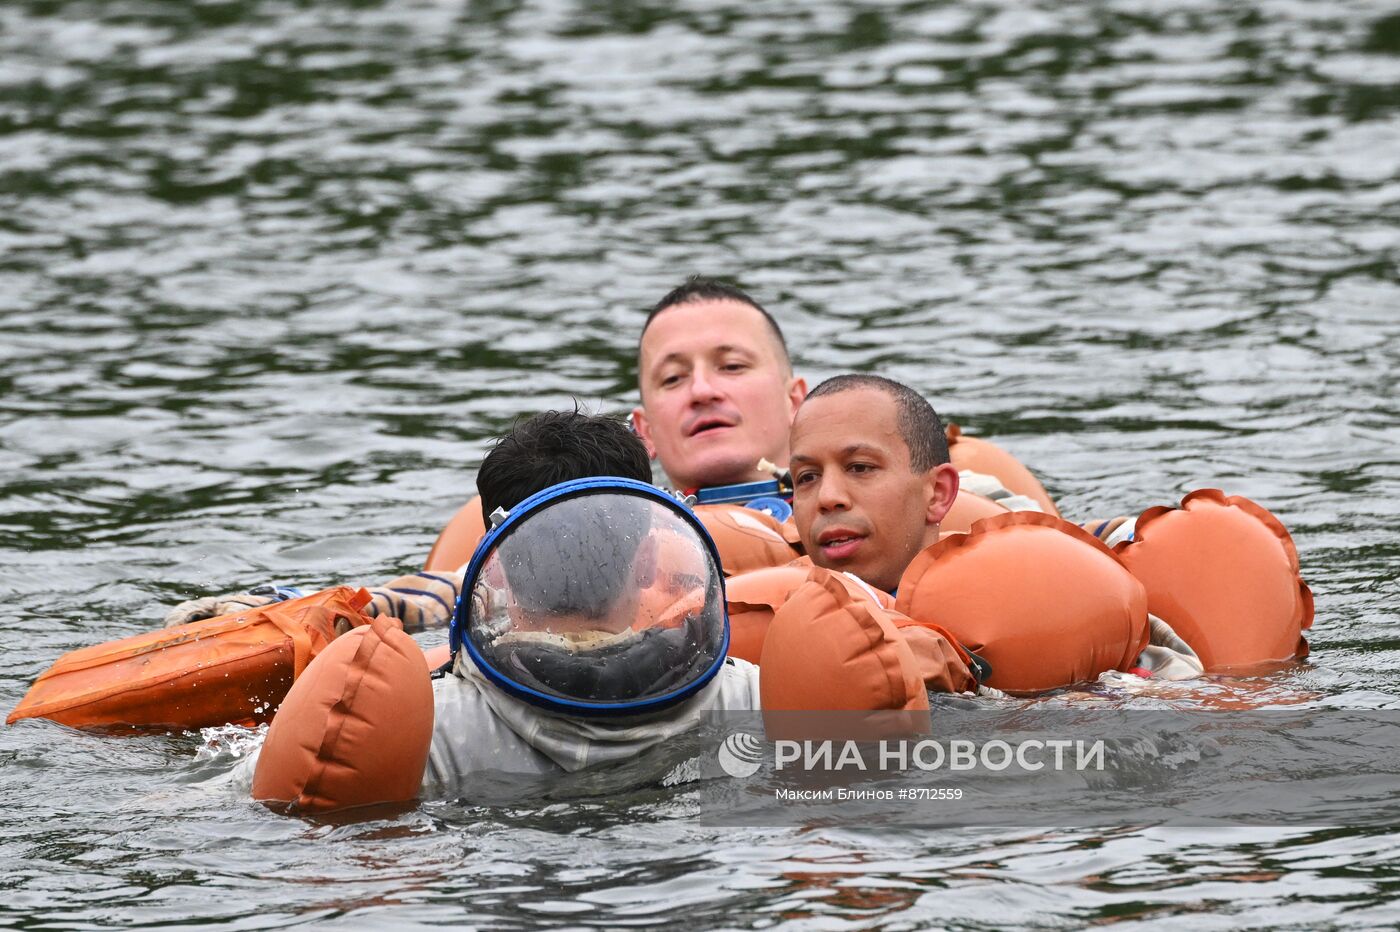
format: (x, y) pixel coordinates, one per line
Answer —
(839, 543)
(708, 424)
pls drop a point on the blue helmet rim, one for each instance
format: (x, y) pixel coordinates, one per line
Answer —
(572, 489)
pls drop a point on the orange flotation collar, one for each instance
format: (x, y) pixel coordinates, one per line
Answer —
(457, 541)
(355, 730)
(1045, 602)
(983, 456)
(234, 669)
(1223, 572)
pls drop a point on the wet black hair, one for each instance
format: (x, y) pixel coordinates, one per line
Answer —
(699, 288)
(919, 424)
(553, 447)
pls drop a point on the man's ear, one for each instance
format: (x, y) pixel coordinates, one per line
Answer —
(643, 430)
(796, 391)
(942, 488)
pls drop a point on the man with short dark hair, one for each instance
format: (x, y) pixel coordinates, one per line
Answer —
(871, 476)
(553, 447)
(717, 388)
(872, 481)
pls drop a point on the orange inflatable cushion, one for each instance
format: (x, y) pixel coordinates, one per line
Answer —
(830, 650)
(969, 508)
(355, 730)
(1043, 601)
(458, 540)
(1223, 572)
(747, 539)
(753, 598)
(234, 669)
(983, 456)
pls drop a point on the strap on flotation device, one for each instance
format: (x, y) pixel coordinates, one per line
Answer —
(1040, 599)
(945, 665)
(355, 730)
(978, 455)
(1223, 572)
(234, 669)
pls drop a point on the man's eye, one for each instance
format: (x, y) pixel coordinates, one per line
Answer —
(734, 367)
(667, 380)
(803, 478)
(860, 467)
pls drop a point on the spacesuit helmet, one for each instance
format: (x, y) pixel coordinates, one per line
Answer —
(599, 596)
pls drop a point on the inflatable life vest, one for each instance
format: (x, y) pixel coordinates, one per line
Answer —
(354, 730)
(234, 669)
(977, 455)
(829, 650)
(969, 508)
(1223, 572)
(748, 539)
(457, 541)
(1043, 601)
(754, 600)
(755, 597)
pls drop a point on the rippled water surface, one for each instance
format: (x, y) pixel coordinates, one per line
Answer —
(271, 273)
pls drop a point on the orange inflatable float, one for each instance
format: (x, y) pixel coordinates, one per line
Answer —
(1043, 601)
(982, 456)
(1223, 572)
(354, 730)
(457, 541)
(747, 539)
(234, 669)
(969, 508)
(753, 599)
(828, 650)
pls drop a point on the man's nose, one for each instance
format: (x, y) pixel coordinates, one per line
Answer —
(831, 494)
(703, 387)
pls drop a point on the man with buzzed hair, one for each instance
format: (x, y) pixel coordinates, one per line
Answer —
(872, 481)
(717, 388)
(871, 476)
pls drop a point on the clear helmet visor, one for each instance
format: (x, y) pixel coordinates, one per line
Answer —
(600, 602)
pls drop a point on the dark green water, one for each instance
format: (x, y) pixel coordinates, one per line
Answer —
(271, 273)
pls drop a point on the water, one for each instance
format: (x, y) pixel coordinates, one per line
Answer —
(272, 273)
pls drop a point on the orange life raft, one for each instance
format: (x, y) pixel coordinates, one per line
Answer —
(234, 669)
(1223, 572)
